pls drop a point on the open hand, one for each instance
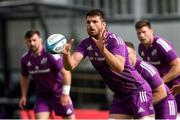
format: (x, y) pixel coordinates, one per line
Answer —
(67, 47)
(100, 43)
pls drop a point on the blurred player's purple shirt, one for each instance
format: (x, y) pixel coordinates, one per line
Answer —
(45, 70)
(150, 74)
(120, 83)
(160, 54)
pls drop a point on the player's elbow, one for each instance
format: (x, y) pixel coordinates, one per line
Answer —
(179, 64)
(176, 64)
(68, 67)
(119, 69)
(159, 94)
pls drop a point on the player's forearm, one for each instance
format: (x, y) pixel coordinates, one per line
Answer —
(66, 82)
(157, 98)
(67, 78)
(24, 83)
(67, 62)
(159, 94)
(173, 73)
(116, 63)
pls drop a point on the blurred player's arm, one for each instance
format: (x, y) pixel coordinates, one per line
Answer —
(66, 86)
(159, 94)
(66, 79)
(24, 84)
(173, 72)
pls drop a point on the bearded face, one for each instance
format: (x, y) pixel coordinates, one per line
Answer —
(34, 43)
(95, 25)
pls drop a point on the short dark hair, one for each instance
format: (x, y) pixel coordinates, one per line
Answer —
(142, 23)
(96, 12)
(30, 33)
(130, 44)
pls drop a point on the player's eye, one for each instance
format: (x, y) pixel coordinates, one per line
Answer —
(88, 22)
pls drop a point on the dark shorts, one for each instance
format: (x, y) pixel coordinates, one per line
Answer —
(49, 104)
(137, 105)
(166, 109)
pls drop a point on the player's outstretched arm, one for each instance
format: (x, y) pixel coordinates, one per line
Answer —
(70, 61)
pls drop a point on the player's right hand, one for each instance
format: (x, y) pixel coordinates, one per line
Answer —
(22, 102)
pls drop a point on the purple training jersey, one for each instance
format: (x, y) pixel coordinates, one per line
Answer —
(167, 108)
(128, 81)
(45, 70)
(160, 54)
(149, 73)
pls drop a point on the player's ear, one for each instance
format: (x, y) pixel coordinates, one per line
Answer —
(135, 53)
(152, 30)
(104, 24)
(41, 40)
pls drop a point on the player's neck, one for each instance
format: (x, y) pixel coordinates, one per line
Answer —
(100, 35)
(134, 62)
(38, 52)
(148, 44)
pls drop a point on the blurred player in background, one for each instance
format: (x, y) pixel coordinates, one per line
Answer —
(52, 80)
(160, 53)
(163, 100)
(108, 54)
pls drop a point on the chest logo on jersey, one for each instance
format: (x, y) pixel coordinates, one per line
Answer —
(96, 54)
(154, 52)
(29, 64)
(89, 47)
(142, 53)
(36, 67)
(44, 60)
(97, 58)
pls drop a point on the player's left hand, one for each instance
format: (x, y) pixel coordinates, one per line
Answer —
(64, 99)
(67, 47)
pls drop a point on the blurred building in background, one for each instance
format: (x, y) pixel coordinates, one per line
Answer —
(68, 17)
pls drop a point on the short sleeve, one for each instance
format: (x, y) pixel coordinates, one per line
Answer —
(166, 50)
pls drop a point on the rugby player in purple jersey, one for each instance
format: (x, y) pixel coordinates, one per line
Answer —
(163, 100)
(52, 80)
(108, 54)
(160, 53)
